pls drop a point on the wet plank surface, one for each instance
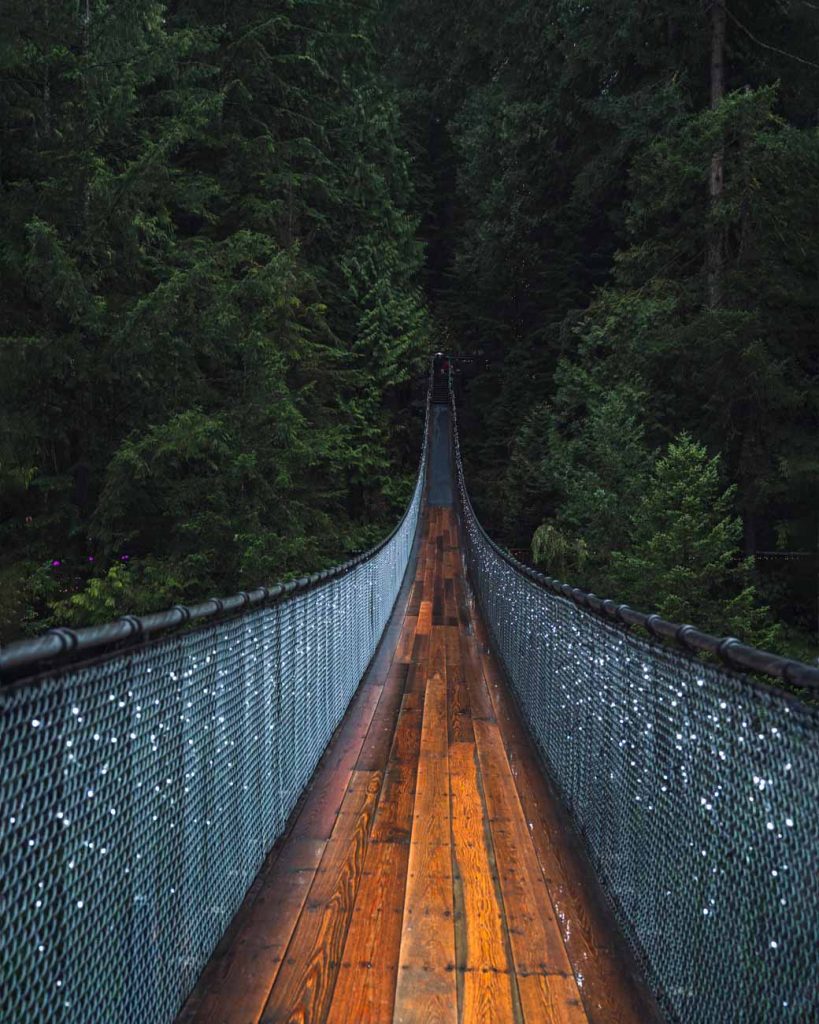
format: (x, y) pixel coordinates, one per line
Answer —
(425, 877)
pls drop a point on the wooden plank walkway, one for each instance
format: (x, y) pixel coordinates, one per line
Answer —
(426, 876)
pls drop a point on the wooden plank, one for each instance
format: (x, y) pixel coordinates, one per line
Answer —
(403, 652)
(452, 646)
(459, 706)
(406, 742)
(393, 819)
(554, 999)
(329, 784)
(459, 716)
(436, 662)
(550, 992)
(365, 989)
(426, 989)
(360, 802)
(429, 568)
(413, 699)
(431, 816)
(482, 706)
(417, 676)
(488, 990)
(464, 619)
(376, 747)
(453, 588)
(237, 981)
(424, 624)
(385, 652)
(303, 989)
(438, 598)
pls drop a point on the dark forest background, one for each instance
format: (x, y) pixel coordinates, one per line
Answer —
(621, 205)
(232, 232)
(210, 300)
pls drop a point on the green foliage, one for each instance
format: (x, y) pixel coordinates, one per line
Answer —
(591, 463)
(560, 555)
(209, 281)
(683, 558)
(565, 151)
(209, 296)
(27, 589)
(99, 601)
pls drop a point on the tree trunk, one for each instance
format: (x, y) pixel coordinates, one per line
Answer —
(47, 71)
(86, 29)
(86, 52)
(715, 255)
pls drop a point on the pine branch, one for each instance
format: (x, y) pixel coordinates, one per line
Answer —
(767, 46)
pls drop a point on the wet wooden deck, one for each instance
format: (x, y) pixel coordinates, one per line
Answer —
(426, 877)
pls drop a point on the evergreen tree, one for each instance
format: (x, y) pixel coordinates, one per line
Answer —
(683, 554)
(209, 296)
(594, 464)
(621, 192)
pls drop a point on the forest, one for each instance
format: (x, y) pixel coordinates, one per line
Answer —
(620, 202)
(210, 300)
(233, 233)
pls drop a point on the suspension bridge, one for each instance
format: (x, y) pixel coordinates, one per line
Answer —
(429, 784)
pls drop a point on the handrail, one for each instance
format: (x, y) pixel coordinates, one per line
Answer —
(23, 656)
(730, 650)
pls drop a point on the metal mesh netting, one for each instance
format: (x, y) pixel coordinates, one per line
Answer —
(142, 793)
(695, 791)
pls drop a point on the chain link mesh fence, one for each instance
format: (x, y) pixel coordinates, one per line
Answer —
(142, 793)
(696, 791)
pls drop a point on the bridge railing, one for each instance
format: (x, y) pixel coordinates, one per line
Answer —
(694, 788)
(142, 791)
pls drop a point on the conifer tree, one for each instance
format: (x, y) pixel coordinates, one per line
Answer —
(620, 188)
(208, 288)
(683, 556)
